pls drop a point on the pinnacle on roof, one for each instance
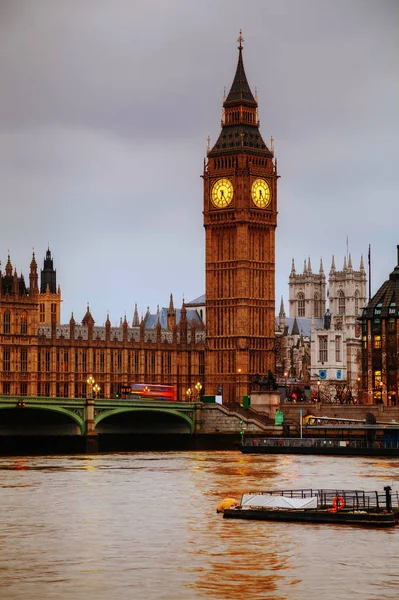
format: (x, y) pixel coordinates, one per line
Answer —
(88, 317)
(361, 263)
(305, 270)
(345, 267)
(332, 265)
(309, 266)
(282, 310)
(8, 266)
(171, 306)
(350, 268)
(136, 321)
(33, 263)
(295, 328)
(293, 272)
(321, 271)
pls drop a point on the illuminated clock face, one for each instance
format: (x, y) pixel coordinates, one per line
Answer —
(222, 193)
(261, 193)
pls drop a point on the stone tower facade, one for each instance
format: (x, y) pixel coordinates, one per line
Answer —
(307, 292)
(240, 218)
(50, 295)
(335, 348)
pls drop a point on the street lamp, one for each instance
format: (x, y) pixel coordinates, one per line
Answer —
(189, 393)
(318, 390)
(285, 384)
(198, 388)
(90, 383)
(96, 389)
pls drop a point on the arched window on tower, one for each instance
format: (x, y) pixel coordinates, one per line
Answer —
(356, 303)
(23, 324)
(7, 322)
(316, 306)
(341, 302)
(301, 304)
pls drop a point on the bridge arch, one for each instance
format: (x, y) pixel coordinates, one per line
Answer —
(106, 413)
(77, 415)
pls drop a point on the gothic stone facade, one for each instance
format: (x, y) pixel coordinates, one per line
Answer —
(41, 357)
(324, 343)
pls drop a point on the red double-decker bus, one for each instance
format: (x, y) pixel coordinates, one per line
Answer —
(148, 391)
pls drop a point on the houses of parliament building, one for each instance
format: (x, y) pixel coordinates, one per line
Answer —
(39, 356)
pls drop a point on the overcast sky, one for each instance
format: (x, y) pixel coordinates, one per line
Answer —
(105, 108)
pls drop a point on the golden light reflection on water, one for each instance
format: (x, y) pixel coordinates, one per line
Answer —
(248, 562)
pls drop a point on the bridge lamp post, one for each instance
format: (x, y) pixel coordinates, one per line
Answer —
(198, 388)
(239, 385)
(318, 390)
(189, 393)
(90, 406)
(285, 385)
(96, 390)
(90, 383)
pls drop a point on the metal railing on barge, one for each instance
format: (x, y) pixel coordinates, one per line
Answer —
(353, 499)
(317, 443)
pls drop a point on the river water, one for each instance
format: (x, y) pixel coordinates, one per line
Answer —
(144, 526)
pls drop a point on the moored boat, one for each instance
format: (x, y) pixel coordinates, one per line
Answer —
(349, 507)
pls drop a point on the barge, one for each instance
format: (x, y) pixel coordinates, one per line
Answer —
(339, 507)
(317, 445)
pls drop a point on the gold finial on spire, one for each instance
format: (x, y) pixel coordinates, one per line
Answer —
(241, 40)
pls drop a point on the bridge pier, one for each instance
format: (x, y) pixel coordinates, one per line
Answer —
(92, 442)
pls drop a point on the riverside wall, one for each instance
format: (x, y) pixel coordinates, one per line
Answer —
(382, 413)
(215, 419)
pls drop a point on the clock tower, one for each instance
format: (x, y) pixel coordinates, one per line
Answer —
(240, 218)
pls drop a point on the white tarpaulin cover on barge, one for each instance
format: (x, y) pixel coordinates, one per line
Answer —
(250, 500)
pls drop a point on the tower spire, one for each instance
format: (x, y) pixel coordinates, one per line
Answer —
(240, 125)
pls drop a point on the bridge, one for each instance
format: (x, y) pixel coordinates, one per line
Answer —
(88, 416)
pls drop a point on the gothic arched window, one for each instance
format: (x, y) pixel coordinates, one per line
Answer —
(341, 302)
(7, 322)
(316, 305)
(23, 324)
(357, 302)
(301, 304)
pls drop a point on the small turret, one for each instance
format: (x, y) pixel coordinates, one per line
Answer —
(107, 328)
(33, 277)
(332, 270)
(350, 268)
(321, 270)
(171, 315)
(293, 271)
(309, 267)
(124, 329)
(9, 267)
(136, 321)
(281, 315)
(48, 275)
